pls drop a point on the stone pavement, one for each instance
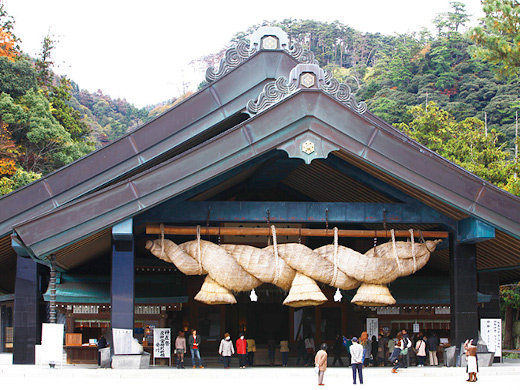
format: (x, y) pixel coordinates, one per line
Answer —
(287, 378)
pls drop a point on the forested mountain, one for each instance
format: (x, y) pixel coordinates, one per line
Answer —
(454, 90)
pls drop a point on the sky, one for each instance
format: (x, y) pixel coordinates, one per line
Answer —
(141, 50)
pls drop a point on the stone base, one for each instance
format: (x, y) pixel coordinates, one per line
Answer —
(104, 357)
(131, 361)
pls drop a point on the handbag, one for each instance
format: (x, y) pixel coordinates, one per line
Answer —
(404, 352)
(316, 370)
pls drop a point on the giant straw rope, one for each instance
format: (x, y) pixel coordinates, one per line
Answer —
(295, 267)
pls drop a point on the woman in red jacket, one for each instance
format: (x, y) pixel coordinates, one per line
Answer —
(242, 350)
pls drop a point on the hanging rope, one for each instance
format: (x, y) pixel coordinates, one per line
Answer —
(413, 251)
(162, 239)
(276, 259)
(199, 255)
(335, 274)
(395, 250)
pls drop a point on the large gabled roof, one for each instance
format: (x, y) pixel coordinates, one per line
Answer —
(218, 106)
(297, 115)
(306, 114)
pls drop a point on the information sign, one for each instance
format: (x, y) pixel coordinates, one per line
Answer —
(491, 333)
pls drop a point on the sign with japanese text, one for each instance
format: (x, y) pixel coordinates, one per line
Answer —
(491, 333)
(372, 327)
(161, 342)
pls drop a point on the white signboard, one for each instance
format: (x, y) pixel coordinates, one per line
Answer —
(372, 327)
(161, 342)
(52, 343)
(416, 328)
(122, 340)
(491, 333)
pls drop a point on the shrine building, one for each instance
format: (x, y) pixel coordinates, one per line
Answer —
(272, 140)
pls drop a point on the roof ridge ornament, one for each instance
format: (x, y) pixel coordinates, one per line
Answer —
(305, 76)
(264, 38)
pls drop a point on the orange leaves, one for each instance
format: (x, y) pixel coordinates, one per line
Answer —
(7, 43)
(7, 166)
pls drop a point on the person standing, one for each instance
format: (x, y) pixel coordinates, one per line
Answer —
(180, 349)
(336, 351)
(271, 350)
(310, 349)
(300, 350)
(226, 350)
(420, 348)
(433, 344)
(347, 343)
(396, 356)
(241, 351)
(471, 357)
(320, 361)
(356, 360)
(102, 343)
(284, 350)
(251, 349)
(405, 344)
(194, 342)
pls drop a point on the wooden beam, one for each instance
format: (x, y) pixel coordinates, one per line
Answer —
(242, 231)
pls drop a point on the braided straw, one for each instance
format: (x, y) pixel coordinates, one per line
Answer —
(335, 274)
(162, 240)
(395, 250)
(413, 252)
(199, 255)
(276, 259)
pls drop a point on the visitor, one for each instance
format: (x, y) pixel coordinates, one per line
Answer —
(194, 343)
(396, 358)
(381, 347)
(356, 360)
(471, 358)
(433, 344)
(271, 350)
(180, 349)
(251, 349)
(300, 350)
(336, 351)
(390, 346)
(405, 345)
(373, 349)
(420, 350)
(366, 344)
(241, 344)
(102, 343)
(347, 342)
(310, 349)
(226, 350)
(284, 350)
(320, 362)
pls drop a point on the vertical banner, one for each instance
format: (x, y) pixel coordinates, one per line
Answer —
(161, 343)
(491, 333)
(372, 327)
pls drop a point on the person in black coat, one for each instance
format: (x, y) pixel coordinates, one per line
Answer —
(433, 343)
(336, 351)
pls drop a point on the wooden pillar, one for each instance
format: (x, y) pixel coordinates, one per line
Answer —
(344, 319)
(26, 324)
(463, 292)
(123, 275)
(318, 337)
(291, 324)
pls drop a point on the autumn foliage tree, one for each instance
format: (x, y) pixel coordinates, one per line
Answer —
(7, 45)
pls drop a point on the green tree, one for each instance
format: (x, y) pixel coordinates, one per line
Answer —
(498, 36)
(17, 77)
(466, 142)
